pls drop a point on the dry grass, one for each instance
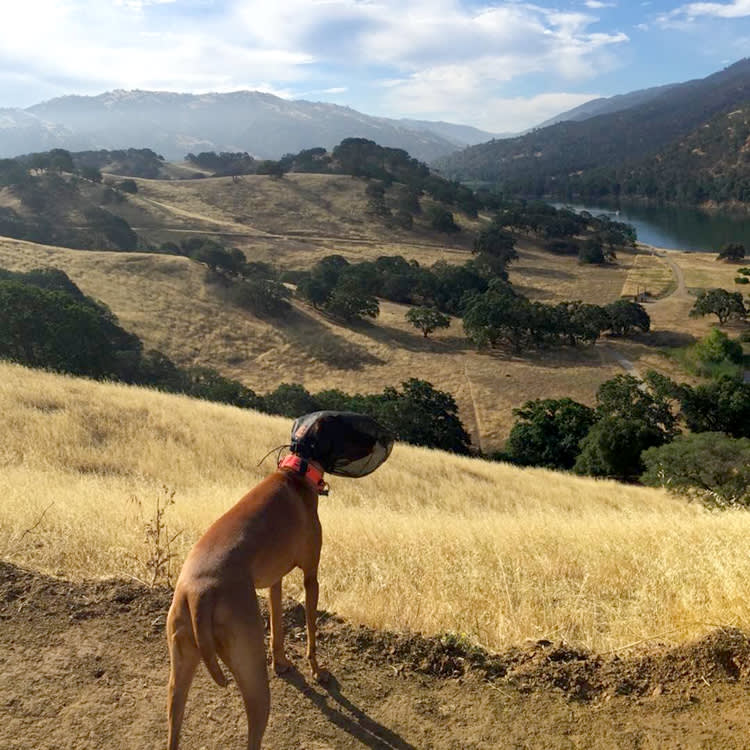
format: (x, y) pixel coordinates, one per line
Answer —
(430, 541)
(166, 301)
(553, 278)
(649, 275)
(704, 271)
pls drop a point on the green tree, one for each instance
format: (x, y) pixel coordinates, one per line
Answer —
(497, 315)
(547, 432)
(206, 383)
(350, 305)
(271, 168)
(427, 319)
(592, 251)
(127, 186)
(493, 240)
(648, 401)
(114, 228)
(613, 448)
(91, 173)
(441, 219)
(716, 347)
(719, 302)
(625, 317)
(58, 331)
(315, 290)
(720, 406)
(582, 323)
(264, 297)
(708, 466)
(290, 400)
(422, 415)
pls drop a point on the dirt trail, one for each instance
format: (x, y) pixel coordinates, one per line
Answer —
(84, 666)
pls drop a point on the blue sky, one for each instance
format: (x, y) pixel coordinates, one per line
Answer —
(501, 66)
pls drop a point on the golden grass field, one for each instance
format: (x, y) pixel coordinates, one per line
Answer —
(431, 541)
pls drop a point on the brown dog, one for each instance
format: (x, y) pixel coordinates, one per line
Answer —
(215, 612)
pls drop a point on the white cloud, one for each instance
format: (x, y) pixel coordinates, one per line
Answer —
(596, 4)
(691, 11)
(453, 94)
(434, 53)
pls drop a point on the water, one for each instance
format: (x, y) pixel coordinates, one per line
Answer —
(678, 227)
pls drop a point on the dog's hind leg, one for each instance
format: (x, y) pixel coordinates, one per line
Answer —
(311, 617)
(184, 658)
(280, 663)
(241, 648)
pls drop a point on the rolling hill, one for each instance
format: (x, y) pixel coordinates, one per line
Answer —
(569, 156)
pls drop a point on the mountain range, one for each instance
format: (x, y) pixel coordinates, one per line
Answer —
(629, 145)
(174, 124)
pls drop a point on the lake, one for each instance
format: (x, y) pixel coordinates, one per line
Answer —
(677, 227)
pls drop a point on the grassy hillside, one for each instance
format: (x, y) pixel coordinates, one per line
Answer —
(168, 303)
(593, 157)
(430, 541)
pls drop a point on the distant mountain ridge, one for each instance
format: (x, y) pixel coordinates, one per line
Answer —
(558, 159)
(607, 105)
(174, 124)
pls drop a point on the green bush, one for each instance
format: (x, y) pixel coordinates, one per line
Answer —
(709, 466)
(713, 356)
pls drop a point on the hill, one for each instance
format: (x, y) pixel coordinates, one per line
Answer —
(175, 305)
(556, 159)
(709, 165)
(549, 555)
(607, 105)
(174, 124)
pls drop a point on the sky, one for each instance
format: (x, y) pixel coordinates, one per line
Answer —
(501, 66)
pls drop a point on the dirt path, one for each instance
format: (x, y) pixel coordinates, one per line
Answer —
(84, 666)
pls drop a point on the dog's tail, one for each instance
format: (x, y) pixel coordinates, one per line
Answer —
(201, 614)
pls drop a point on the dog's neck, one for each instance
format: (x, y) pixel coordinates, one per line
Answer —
(310, 470)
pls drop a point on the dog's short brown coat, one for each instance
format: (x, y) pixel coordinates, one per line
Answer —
(271, 530)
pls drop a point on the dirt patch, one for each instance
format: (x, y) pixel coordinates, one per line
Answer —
(84, 665)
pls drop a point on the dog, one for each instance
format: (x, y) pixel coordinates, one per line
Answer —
(215, 613)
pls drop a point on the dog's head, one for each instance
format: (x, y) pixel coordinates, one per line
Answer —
(338, 440)
(341, 442)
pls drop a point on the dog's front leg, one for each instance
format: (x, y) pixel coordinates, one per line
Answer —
(278, 659)
(311, 615)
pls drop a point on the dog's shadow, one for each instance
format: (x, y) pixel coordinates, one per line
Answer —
(349, 717)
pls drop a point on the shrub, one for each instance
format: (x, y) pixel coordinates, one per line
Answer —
(708, 466)
(127, 186)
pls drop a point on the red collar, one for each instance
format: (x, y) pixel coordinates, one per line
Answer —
(304, 467)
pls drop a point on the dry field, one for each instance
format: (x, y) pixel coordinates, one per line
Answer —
(293, 222)
(430, 542)
(166, 301)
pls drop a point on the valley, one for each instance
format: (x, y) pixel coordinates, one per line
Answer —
(292, 223)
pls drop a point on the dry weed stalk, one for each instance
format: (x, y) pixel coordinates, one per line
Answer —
(157, 561)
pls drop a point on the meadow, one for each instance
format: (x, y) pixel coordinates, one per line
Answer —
(430, 542)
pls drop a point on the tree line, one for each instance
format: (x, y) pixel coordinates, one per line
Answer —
(635, 432)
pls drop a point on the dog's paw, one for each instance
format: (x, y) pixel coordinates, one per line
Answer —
(281, 664)
(322, 676)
